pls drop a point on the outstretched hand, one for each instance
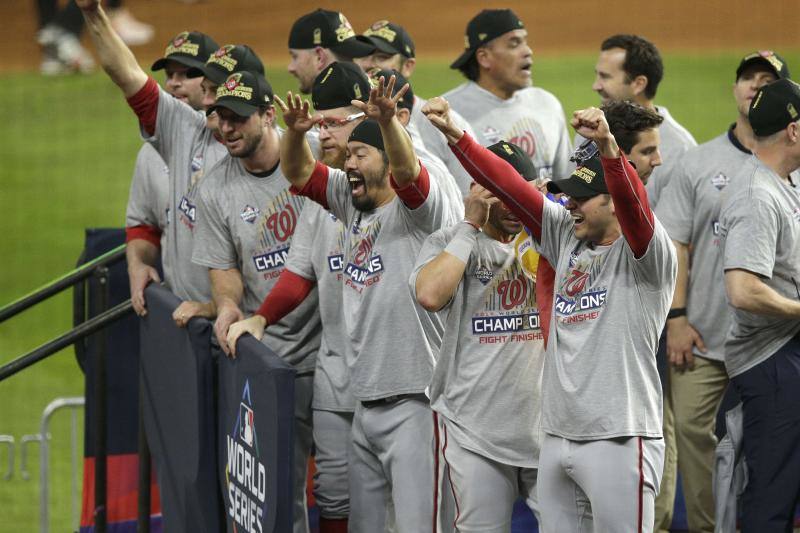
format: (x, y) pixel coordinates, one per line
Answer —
(437, 110)
(382, 106)
(297, 113)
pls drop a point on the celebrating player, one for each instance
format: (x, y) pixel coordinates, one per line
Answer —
(602, 452)
(487, 381)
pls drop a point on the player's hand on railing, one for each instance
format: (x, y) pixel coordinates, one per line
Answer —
(190, 309)
(438, 112)
(382, 106)
(254, 325)
(477, 205)
(140, 275)
(297, 113)
(225, 317)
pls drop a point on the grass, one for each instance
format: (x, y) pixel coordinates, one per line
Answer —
(67, 154)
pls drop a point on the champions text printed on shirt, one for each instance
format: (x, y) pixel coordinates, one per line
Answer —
(247, 223)
(391, 354)
(189, 149)
(317, 254)
(760, 225)
(487, 378)
(600, 377)
(532, 118)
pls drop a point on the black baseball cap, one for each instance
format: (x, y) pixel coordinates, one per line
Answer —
(368, 132)
(516, 157)
(225, 61)
(243, 93)
(190, 48)
(485, 26)
(774, 107)
(338, 84)
(767, 58)
(328, 29)
(390, 38)
(407, 101)
(585, 181)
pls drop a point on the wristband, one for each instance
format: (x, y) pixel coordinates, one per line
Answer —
(474, 225)
(462, 242)
(677, 312)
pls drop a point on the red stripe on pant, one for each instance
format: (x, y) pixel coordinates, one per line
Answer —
(450, 478)
(435, 471)
(641, 487)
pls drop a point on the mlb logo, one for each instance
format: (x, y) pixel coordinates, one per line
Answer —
(720, 181)
(249, 214)
(247, 428)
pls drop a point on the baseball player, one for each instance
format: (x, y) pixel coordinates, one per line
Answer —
(498, 101)
(699, 318)
(760, 221)
(394, 50)
(247, 220)
(487, 381)
(388, 205)
(319, 38)
(602, 452)
(629, 67)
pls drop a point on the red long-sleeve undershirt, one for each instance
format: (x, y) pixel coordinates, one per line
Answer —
(145, 104)
(626, 189)
(412, 195)
(288, 292)
(145, 232)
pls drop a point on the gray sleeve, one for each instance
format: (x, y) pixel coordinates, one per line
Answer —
(676, 207)
(144, 201)
(429, 216)
(299, 260)
(338, 194)
(174, 120)
(431, 248)
(751, 233)
(556, 222)
(213, 245)
(659, 262)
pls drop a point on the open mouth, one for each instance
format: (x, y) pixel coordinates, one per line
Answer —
(577, 219)
(357, 186)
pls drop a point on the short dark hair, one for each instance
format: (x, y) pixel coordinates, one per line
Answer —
(627, 120)
(641, 59)
(470, 69)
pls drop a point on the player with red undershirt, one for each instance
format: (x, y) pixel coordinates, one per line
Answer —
(615, 267)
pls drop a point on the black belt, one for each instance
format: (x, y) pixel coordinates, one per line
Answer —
(386, 401)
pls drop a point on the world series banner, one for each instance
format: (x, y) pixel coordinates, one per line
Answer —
(178, 374)
(256, 412)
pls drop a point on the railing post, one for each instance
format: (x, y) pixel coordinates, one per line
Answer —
(143, 522)
(100, 389)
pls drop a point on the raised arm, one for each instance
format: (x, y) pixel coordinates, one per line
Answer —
(488, 169)
(297, 161)
(382, 107)
(630, 198)
(116, 58)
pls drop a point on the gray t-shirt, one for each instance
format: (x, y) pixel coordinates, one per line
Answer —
(689, 210)
(600, 376)
(488, 375)
(247, 222)
(532, 118)
(675, 141)
(421, 129)
(148, 200)
(317, 255)
(760, 225)
(189, 149)
(390, 352)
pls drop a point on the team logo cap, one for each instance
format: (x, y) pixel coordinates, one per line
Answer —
(329, 29)
(189, 48)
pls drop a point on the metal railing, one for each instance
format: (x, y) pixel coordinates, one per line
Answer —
(97, 268)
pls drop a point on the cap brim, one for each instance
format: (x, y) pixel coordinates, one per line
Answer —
(462, 59)
(237, 106)
(216, 76)
(358, 46)
(183, 60)
(573, 187)
(381, 45)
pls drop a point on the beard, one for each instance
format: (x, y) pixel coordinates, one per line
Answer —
(334, 159)
(249, 147)
(372, 182)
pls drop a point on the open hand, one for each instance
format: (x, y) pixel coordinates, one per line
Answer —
(381, 105)
(254, 326)
(297, 113)
(437, 110)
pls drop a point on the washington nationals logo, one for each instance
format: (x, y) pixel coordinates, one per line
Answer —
(526, 141)
(225, 50)
(513, 292)
(576, 282)
(180, 39)
(233, 81)
(363, 250)
(282, 223)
